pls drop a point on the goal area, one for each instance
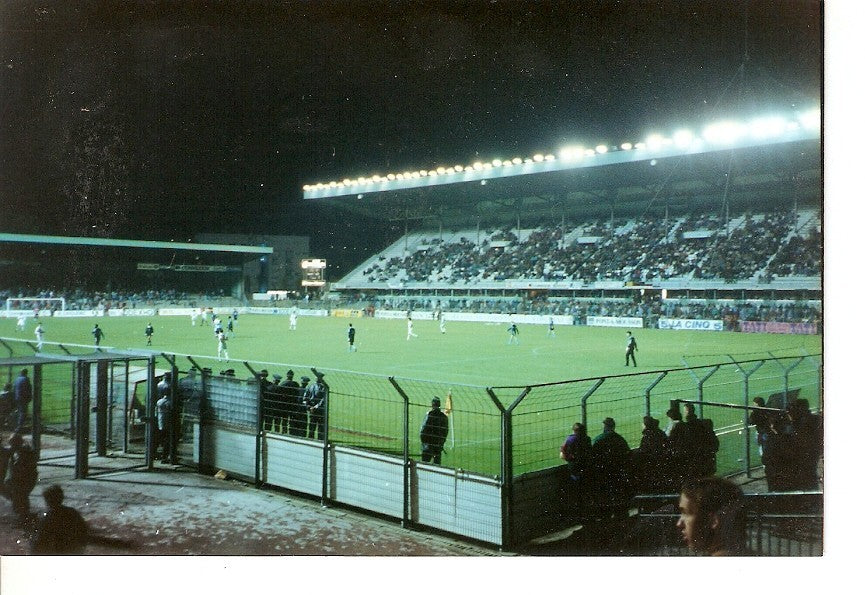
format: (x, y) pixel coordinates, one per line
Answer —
(33, 303)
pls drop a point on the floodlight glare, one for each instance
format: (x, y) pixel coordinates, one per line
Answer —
(423, 172)
(683, 138)
(477, 165)
(601, 149)
(457, 168)
(497, 162)
(767, 127)
(400, 176)
(811, 119)
(391, 177)
(570, 153)
(440, 169)
(726, 132)
(589, 152)
(451, 170)
(507, 163)
(538, 157)
(549, 157)
(655, 141)
(517, 160)
(626, 146)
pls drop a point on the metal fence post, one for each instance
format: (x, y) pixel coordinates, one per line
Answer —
(649, 392)
(406, 461)
(746, 375)
(585, 398)
(149, 406)
(37, 409)
(507, 462)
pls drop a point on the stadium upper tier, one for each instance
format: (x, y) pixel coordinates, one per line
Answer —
(778, 249)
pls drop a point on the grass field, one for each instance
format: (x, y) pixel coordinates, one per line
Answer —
(367, 412)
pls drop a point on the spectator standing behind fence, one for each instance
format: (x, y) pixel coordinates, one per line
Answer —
(163, 417)
(651, 459)
(630, 348)
(22, 476)
(291, 399)
(778, 456)
(61, 530)
(712, 517)
(703, 443)
(761, 420)
(433, 433)
(7, 405)
(576, 452)
(23, 390)
(315, 398)
(611, 467)
(302, 418)
(807, 445)
(189, 403)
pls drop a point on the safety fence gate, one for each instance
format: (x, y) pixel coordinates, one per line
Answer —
(89, 406)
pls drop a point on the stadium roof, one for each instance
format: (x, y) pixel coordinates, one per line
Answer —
(763, 162)
(117, 243)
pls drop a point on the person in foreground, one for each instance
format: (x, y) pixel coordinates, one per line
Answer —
(61, 529)
(712, 518)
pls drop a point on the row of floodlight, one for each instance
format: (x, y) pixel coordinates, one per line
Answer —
(721, 133)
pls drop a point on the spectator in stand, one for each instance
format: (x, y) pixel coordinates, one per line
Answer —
(292, 403)
(22, 476)
(610, 469)
(702, 444)
(651, 460)
(315, 398)
(712, 517)
(807, 445)
(23, 395)
(576, 452)
(762, 421)
(302, 414)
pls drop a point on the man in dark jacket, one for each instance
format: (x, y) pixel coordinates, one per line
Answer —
(61, 530)
(433, 432)
(23, 391)
(611, 467)
(22, 476)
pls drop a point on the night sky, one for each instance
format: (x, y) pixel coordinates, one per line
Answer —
(158, 120)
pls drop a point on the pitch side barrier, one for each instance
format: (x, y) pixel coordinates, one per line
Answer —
(500, 476)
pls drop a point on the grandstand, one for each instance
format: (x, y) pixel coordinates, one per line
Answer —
(664, 215)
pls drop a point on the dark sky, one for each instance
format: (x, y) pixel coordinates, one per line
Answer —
(158, 120)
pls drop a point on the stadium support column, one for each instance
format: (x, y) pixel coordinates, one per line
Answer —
(406, 461)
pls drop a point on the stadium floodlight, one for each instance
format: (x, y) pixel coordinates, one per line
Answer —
(517, 160)
(640, 146)
(451, 170)
(538, 157)
(726, 132)
(423, 173)
(391, 177)
(767, 127)
(441, 169)
(571, 153)
(458, 168)
(626, 146)
(478, 165)
(415, 174)
(507, 163)
(497, 162)
(433, 173)
(549, 157)
(654, 141)
(601, 149)
(683, 138)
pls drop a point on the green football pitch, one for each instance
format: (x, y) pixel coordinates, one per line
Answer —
(468, 353)
(366, 410)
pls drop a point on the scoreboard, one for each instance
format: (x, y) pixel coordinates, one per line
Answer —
(313, 272)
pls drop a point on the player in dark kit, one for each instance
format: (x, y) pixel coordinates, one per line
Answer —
(148, 332)
(630, 348)
(351, 333)
(97, 334)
